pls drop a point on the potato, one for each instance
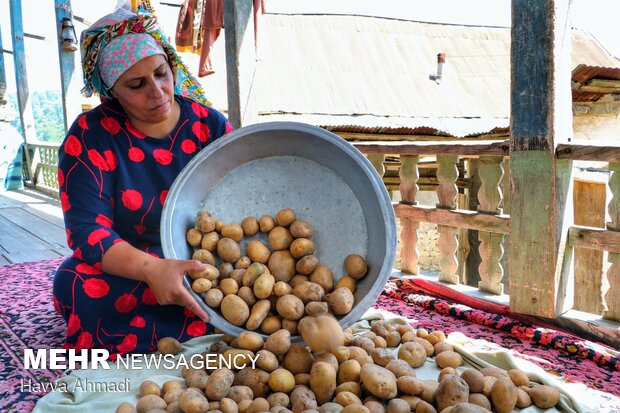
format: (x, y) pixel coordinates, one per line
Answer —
(193, 237)
(169, 345)
(270, 324)
(258, 314)
(298, 279)
(150, 402)
(205, 221)
(474, 379)
(504, 395)
(330, 407)
(323, 381)
(430, 391)
(149, 387)
(400, 368)
(379, 381)
(266, 223)
(125, 407)
(480, 400)
(349, 371)
(424, 407)
(518, 377)
(403, 328)
(280, 238)
(381, 356)
(355, 408)
(256, 379)
(244, 405)
(225, 269)
(307, 264)
(219, 383)
(282, 265)
(523, 399)
(196, 379)
(263, 286)
(489, 381)
(290, 307)
(347, 282)
(377, 407)
(214, 297)
(314, 308)
(243, 262)
(355, 266)
(301, 247)
(204, 255)
(201, 285)
(392, 339)
(209, 272)
(494, 372)
(173, 395)
(413, 353)
(450, 391)
(229, 286)
(351, 387)
(322, 276)
(328, 358)
(290, 325)
(258, 251)
(410, 385)
(340, 301)
(448, 359)
(321, 333)
(281, 288)
(544, 396)
(238, 393)
(398, 406)
(441, 347)
(298, 359)
(465, 408)
(278, 399)
(281, 380)
(228, 250)
(170, 385)
(247, 295)
(279, 342)
(249, 340)
(445, 372)
(285, 217)
(301, 392)
(302, 379)
(308, 291)
(428, 347)
(345, 398)
(232, 231)
(436, 337)
(259, 404)
(192, 401)
(235, 310)
(209, 241)
(267, 361)
(250, 226)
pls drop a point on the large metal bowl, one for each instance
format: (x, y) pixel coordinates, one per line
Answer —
(263, 168)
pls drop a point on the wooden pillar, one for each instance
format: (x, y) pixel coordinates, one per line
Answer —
(2, 73)
(21, 76)
(473, 258)
(68, 82)
(541, 186)
(409, 175)
(612, 300)
(448, 242)
(240, 61)
(491, 248)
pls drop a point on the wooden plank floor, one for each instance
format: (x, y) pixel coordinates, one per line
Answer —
(31, 227)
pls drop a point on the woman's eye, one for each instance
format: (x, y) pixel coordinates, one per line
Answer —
(136, 85)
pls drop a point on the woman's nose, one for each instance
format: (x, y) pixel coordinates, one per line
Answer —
(155, 89)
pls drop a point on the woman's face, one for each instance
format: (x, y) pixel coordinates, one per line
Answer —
(146, 91)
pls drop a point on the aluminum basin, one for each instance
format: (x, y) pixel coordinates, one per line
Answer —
(262, 168)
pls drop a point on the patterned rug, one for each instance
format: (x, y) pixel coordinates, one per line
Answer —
(28, 320)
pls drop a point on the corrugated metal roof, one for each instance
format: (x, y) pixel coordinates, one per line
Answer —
(368, 73)
(585, 73)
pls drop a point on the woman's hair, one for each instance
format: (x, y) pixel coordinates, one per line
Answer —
(117, 41)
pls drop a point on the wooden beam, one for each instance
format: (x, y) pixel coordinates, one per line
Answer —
(596, 108)
(541, 185)
(68, 82)
(240, 61)
(594, 238)
(463, 149)
(386, 137)
(600, 153)
(457, 218)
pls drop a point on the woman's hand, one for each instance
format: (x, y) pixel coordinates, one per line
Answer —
(165, 278)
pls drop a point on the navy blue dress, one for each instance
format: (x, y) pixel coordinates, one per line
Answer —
(113, 181)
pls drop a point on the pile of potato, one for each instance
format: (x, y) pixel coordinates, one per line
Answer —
(338, 372)
(268, 287)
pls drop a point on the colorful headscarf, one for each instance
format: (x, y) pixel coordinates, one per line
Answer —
(121, 25)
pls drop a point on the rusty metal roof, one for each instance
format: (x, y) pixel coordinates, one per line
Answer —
(583, 74)
(358, 73)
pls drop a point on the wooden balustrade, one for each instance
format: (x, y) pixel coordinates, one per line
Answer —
(44, 158)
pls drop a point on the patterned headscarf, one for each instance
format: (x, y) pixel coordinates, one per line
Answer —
(113, 31)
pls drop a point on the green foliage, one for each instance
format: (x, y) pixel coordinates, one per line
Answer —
(47, 113)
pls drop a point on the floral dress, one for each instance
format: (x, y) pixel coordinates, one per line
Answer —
(113, 181)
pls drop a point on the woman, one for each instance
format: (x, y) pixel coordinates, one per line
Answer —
(115, 168)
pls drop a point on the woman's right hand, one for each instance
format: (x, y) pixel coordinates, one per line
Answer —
(165, 279)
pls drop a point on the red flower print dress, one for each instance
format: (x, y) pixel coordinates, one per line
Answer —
(113, 182)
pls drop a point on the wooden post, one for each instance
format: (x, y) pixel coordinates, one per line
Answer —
(541, 196)
(409, 175)
(612, 300)
(590, 202)
(448, 242)
(240, 61)
(473, 258)
(491, 248)
(68, 82)
(21, 76)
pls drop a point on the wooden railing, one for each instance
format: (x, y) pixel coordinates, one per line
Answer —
(489, 217)
(42, 172)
